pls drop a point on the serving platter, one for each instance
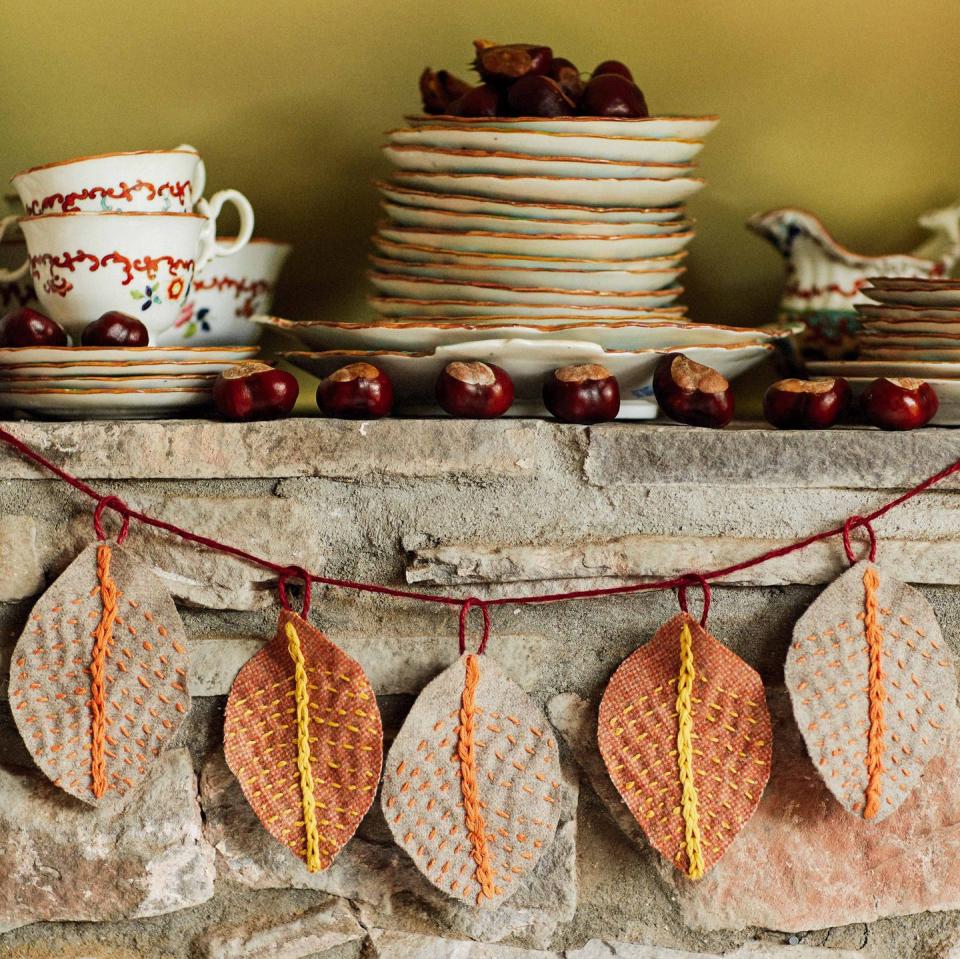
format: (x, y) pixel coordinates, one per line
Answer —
(174, 381)
(541, 143)
(920, 369)
(544, 189)
(436, 160)
(528, 362)
(424, 218)
(423, 335)
(102, 403)
(459, 203)
(521, 245)
(210, 356)
(678, 127)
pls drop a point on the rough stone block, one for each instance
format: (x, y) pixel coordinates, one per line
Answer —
(802, 862)
(605, 949)
(21, 573)
(859, 458)
(62, 859)
(338, 449)
(390, 944)
(314, 933)
(378, 875)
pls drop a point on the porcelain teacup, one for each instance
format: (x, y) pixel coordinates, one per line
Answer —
(86, 264)
(142, 181)
(225, 296)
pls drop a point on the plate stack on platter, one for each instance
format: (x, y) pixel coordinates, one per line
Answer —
(911, 329)
(573, 217)
(102, 383)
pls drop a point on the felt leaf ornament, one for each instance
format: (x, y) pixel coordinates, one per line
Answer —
(685, 734)
(873, 687)
(302, 734)
(471, 788)
(98, 678)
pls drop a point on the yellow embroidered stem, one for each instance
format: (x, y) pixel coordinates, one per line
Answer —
(876, 693)
(466, 750)
(102, 641)
(303, 749)
(688, 797)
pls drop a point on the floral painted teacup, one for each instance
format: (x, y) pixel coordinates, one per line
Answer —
(225, 296)
(86, 264)
(144, 181)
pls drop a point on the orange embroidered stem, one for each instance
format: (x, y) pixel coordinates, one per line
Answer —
(102, 640)
(466, 750)
(876, 693)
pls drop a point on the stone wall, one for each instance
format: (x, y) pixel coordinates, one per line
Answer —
(475, 508)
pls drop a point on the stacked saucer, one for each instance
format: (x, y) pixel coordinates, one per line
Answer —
(65, 382)
(910, 329)
(572, 217)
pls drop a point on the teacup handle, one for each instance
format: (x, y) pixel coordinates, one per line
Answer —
(10, 276)
(200, 176)
(211, 208)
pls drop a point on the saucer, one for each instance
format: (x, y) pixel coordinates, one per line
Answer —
(105, 404)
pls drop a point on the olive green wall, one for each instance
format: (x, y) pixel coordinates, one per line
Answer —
(847, 107)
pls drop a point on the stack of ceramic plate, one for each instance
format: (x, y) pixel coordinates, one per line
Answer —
(94, 382)
(911, 329)
(568, 217)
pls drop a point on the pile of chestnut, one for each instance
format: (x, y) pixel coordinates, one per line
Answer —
(527, 80)
(26, 327)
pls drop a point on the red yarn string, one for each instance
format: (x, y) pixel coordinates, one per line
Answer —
(695, 579)
(848, 527)
(295, 572)
(468, 604)
(105, 501)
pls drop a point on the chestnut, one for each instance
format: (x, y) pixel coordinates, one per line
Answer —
(254, 391)
(115, 329)
(359, 391)
(692, 393)
(568, 76)
(474, 389)
(482, 101)
(612, 95)
(504, 63)
(613, 66)
(582, 394)
(438, 89)
(899, 403)
(806, 404)
(26, 327)
(537, 96)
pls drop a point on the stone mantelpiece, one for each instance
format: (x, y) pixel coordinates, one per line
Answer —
(477, 508)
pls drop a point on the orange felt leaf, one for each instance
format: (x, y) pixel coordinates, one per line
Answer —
(730, 744)
(341, 731)
(471, 786)
(98, 679)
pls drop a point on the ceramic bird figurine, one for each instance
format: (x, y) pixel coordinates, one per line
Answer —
(824, 278)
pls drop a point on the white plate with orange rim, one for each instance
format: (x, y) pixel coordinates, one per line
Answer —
(933, 293)
(545, 189)
(424, 218)
(105, 403)
(948, 394)
(411, 286)
(455, 308)
(529, 362)
(18, 380)
(171, 355)
(540, 143)
(682, 127)
(596, 281)
(428, 255)
(460, 203)
(435, 160)
(523, 245)
(917, 369)
(902, 311)
(423, 335)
